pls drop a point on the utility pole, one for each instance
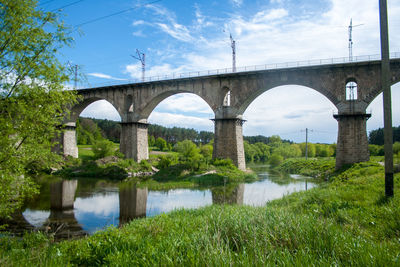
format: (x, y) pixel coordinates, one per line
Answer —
(387, 99)
(142, 58)
(233, 45)
(351, 38)
(306, 152)
(306, 143)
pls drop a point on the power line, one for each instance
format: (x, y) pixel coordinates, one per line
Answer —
(114, 14)
(68, 5)
(45, 3)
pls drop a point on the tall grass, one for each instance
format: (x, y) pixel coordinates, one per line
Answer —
(346, 222)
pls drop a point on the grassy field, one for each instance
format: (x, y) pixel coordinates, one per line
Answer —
(346, 222)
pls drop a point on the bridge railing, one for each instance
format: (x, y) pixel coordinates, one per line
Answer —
(294, 64)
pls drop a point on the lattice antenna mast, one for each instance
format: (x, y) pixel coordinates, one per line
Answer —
(351, 38)
(142, 58)
(233, 45)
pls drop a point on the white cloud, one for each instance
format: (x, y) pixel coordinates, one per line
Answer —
(185, 102)
(156, 72)
(180, 120)
(268, 15)
(237, 2)
(287, 110)
(176, 30)
(105, 76)
(101, 109)
(101, 205)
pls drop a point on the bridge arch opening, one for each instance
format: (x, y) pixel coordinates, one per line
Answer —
(287, 111)
(182, 110)
(376, 110)
(351, 90)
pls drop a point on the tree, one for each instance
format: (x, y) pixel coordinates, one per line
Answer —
(161, 144)
(32, 100)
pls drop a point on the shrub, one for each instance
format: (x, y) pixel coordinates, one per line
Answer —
(103, 148)
(275, 160)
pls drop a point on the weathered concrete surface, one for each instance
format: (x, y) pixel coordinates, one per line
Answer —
(228, 141)
(134, 140)
(352, 143)
(135, 102)
(65, 142)
(227, 195)
(62, 194)
(132, 203)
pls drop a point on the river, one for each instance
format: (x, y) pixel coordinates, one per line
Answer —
(72, 208)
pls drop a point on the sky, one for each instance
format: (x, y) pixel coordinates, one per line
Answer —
(183, 36)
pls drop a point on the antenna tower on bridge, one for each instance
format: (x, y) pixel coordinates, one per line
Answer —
(351, 38)
(142, 58)
(233, 45)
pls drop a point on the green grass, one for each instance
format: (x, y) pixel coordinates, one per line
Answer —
(346, 222)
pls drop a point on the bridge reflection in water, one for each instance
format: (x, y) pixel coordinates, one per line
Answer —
(71, 208)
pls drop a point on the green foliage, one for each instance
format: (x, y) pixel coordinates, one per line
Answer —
(287, 151)
(275, 160)
(103, 148)
(87, 132)
(258, 152)
(396, 148)
(32, 100)
(189, 154)
(145, 165)
(206, 151)
(167, 161)
(151, 141)
(376, 150)
(161, 144)
(311, 151)
(376, 136)
(321, 168)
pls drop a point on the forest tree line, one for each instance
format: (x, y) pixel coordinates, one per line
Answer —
(257, 148)
(91, 129)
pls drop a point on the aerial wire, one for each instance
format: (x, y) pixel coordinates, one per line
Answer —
(114, 14)
(68, 5)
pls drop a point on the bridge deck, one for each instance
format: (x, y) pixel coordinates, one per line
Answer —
(332, 62)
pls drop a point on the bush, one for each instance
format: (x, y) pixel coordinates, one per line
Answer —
(103, 148)
(223, 163)
(145, 165)
(167, 160)
(275, 160)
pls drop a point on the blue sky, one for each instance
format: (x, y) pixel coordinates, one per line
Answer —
(182, 36)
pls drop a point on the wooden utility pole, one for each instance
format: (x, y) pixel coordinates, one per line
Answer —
(387, 99)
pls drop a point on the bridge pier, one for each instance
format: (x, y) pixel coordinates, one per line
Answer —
(134, 141)
(62, 194)
(228, 141)
(352, 142)
(132, 203)
(66, 141)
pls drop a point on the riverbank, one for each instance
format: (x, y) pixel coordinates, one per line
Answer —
(347, 221)
(163, 171)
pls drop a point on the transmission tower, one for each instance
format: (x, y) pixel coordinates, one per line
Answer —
(142, 58)
(74, 69)
(351, 38)
(233, 45)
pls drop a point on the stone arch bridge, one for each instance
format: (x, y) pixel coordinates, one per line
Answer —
(134, 103)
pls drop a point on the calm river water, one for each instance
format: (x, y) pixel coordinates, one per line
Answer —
(71, 208)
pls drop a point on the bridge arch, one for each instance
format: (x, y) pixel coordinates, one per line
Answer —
(86, 102)
(158, 99)
(281, 109)
(253, 96)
